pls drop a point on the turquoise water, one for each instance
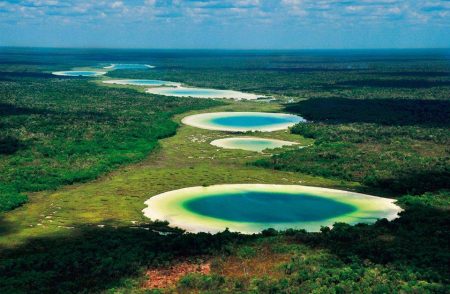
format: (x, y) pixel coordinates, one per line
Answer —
(194, 92)
(202, 93)
(130, 66)
(250, 144)
(261, 207)
(80, 73)
(258, 143)
(145, 82)
(253, 121)
(242, 121)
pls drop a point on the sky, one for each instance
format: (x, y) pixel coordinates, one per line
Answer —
(227, 24)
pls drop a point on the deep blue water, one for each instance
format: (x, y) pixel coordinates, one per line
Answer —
(260, 207)
(253, 121)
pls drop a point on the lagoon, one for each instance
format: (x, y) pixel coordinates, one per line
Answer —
(251, 208)
(152, 83)
(129, 66)
(203, 93)
(243, 121)
(79, 73)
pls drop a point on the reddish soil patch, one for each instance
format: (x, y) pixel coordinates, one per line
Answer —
(168, 277)
(265, 263)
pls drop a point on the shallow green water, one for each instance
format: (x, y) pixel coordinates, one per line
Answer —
(250, 143)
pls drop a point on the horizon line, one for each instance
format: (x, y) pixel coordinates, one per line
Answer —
(228, 49)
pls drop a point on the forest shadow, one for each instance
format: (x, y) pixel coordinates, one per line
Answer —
(435, 113)
(11, 110)
(412, 74)
(6, 227)
(417, 241)
(310, 69)
(13, 76)
(414, 181)
(10, 145)
(93, 259)
(410, 84)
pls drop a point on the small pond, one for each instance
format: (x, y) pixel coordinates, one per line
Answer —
(250, 143)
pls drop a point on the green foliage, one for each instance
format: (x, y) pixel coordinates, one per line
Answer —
(62, 131)
(398, 151)
(309, 74)
(394, 112)
(94, 259)
(246, 252)
(407, 255)
(200, 282)
(10, 198)
(416, 242)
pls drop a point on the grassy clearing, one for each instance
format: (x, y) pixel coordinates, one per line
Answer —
(184, 160)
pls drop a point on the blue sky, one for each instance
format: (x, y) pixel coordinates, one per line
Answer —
(246, 24)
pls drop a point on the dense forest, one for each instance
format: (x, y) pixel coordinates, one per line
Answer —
(396, 145)
(58, 131)
(380, 123)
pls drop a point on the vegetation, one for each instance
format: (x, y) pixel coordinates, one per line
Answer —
(408, 255)
(61, 131)
(399, 146)
(358, 74)
(92, 236)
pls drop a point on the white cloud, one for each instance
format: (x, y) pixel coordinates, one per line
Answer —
(117, 4)
(335, 12)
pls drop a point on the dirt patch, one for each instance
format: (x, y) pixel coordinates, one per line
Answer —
(168, 277)
(265, 263)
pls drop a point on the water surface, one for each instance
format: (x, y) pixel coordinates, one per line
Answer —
(151, 83)
(250, 143)
(263, 207)
(129, 66)
(203, 93)
(243, 121)
(251, 208)
(79, 73)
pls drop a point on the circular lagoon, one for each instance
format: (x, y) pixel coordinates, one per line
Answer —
(79, 73)
(251, 208)
(129, 66)
(242, 121)
(203, 93)
(151, 83)
(250, 143)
